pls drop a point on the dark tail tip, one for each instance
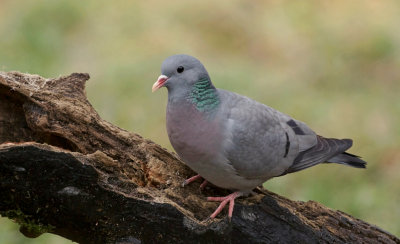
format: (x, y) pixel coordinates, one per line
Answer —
(349, 159)
(355, 161)
(362, 165)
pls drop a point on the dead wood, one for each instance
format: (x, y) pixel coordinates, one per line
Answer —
(66, 171)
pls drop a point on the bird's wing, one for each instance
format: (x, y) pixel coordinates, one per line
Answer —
(261, 142)
(310, 149)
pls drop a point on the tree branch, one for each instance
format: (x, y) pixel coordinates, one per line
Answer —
(66, 171)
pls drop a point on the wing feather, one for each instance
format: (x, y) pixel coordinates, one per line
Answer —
(325, 149)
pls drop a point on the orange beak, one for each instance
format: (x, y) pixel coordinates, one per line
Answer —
(159, 83)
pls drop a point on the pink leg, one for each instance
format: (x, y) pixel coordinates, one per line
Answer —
(203, 184)
(224, 200)
(190, 180)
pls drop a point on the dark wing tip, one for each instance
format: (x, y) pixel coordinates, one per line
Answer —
(352, 155)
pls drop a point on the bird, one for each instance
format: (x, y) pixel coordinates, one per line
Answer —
(235, 142)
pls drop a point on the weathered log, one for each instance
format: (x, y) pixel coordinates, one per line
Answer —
(66, 171)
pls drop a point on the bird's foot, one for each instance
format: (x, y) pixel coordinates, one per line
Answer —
(191, 179)
(224, 200)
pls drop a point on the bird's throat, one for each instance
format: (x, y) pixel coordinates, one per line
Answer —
(204, 96)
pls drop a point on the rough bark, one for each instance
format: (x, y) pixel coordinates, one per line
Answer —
(66, 171)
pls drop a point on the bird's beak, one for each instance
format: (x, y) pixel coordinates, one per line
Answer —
(159, 83)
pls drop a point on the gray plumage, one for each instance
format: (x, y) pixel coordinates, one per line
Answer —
(233, 141)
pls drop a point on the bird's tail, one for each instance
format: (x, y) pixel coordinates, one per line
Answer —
(349, 160)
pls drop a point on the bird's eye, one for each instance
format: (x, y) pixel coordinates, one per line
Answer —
(180, 69)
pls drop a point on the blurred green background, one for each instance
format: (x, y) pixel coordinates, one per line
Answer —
(332, 64)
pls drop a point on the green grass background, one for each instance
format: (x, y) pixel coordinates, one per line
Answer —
(332, 64)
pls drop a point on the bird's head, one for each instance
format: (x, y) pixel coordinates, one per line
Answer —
(179, 73)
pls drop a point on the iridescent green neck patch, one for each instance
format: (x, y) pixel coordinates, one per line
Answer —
(204, 95)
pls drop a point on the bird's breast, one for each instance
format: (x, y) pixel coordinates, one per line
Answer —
(195, 136)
